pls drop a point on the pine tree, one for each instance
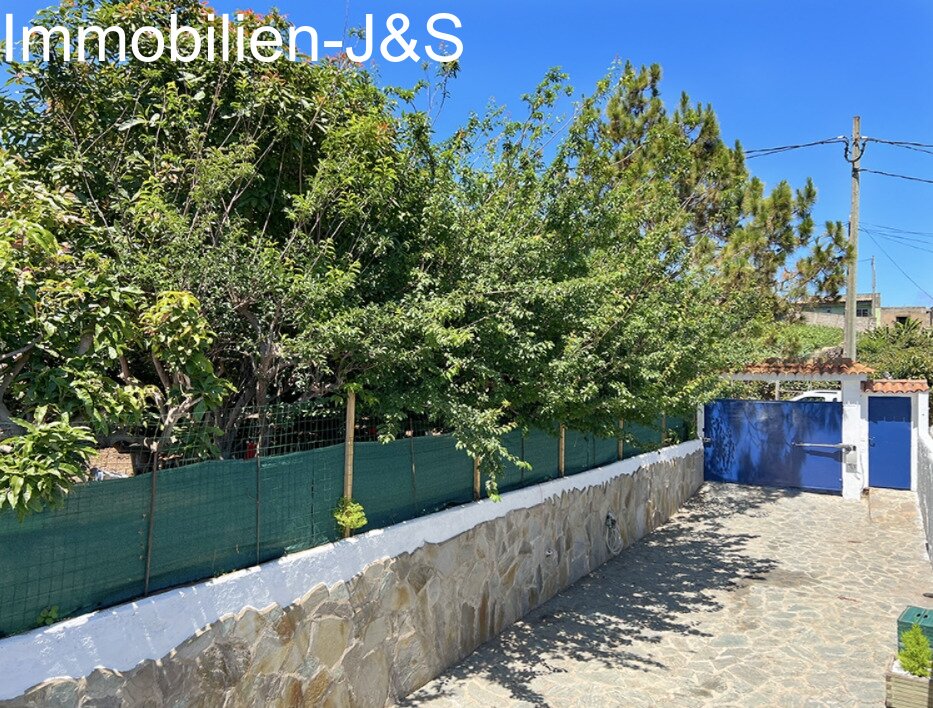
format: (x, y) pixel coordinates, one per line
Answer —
(731, 223)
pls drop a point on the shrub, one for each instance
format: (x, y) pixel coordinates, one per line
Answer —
(349, 515)
(38, 467)
(48, 616)
(916, 656)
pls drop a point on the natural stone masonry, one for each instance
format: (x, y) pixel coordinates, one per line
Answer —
(748, 597)
(403, 620)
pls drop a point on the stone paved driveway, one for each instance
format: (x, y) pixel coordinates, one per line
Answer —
(747, 597)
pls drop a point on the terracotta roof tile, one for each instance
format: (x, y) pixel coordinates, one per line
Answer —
(809, 366)
(896, 386)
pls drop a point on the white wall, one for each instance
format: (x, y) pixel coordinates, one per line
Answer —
(925, 474)
(923, 405)
(914, 440)
(854, 432)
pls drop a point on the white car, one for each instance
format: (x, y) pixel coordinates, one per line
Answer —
(831, 396)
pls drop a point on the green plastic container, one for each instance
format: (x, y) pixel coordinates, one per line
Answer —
(912, 616)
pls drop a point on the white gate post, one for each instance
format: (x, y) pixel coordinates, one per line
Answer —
(924, 437)
(919, 424)
(923, 412)
(855, 435)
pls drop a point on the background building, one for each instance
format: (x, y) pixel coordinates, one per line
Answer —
(894, 315)
(869, 313)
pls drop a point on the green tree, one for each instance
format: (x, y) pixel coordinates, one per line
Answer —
(65, 379)
(281, 195)
(903, 351)
(751, 238)
(296, 230)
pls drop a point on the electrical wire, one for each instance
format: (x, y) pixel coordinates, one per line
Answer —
(899, 237)
(891, 174)
(898, 230)
(905, 147)
(916, 147)
(895, 240)
(910, 145)
(891, 234)
(904, 239)
(897, 265)
(921, 147)
(764, 152)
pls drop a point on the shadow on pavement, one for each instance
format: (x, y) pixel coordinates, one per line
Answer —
(656, 587)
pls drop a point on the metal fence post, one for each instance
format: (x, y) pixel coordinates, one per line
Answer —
(348, 451)
(259, 445)
(620, 443)
(477, 478)
(663, 428)
(153, 490)
(561, 451)
(411, 453)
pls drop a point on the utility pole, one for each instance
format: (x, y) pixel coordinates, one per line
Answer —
(855, 157)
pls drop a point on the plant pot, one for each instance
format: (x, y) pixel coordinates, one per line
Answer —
(902, 690)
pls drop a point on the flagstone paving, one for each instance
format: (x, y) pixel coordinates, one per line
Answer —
(747, 597)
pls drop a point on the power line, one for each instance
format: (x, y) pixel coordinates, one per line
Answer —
(900, 143)
(897, 265)
(764, 152)
(916, 147)
(894, 240)
(915, 248)
(899, 237)
(892, 234)
(920, 147)
(898, 230)
(891, 174)
(879, 231)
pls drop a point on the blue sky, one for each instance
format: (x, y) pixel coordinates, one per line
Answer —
(777, 73)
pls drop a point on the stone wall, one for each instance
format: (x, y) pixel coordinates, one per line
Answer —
(404, 618)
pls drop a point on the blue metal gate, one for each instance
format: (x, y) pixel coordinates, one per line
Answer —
(795, 444)
(889, 442)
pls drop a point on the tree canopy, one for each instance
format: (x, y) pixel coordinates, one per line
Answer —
(901, 351)
(180, 241)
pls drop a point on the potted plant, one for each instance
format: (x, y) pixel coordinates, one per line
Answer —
(907, 682)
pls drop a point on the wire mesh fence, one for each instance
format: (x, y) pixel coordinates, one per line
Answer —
(211, 499)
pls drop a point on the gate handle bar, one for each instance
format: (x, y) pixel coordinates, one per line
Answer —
(846, 447)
